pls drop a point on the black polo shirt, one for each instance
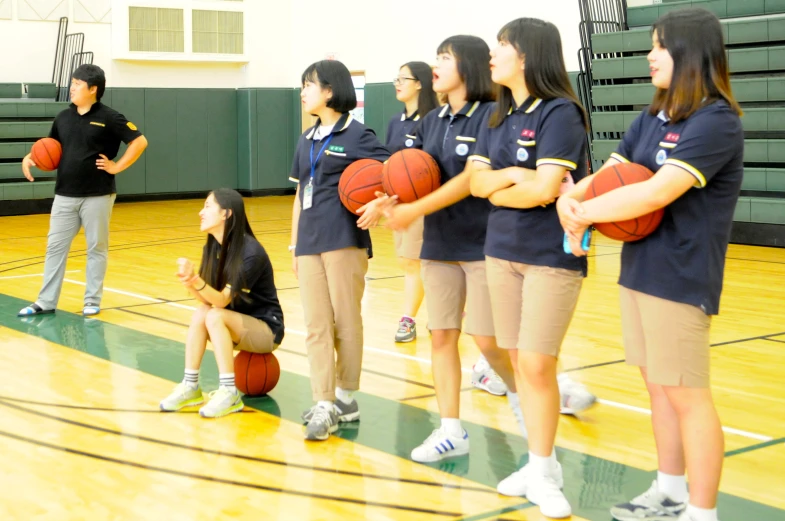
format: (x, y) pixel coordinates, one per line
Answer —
(83, 138)
(684, 259)
(400, 132)
(455, 233)
(328, 225)
(259, 297)
(539, 132)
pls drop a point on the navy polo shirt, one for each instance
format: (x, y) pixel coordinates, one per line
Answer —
(539, 132)
(400, 132)
(328, 225)
(684, 259)
(83, 138)
(455, 233)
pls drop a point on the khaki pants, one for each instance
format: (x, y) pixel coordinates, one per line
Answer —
(255, 336)
(331, 290)
(408, 243)
(669, 339)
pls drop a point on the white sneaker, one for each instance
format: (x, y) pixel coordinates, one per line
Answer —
(546, 493)
(652, 505)
(440, 445)
(487, 380)
(575, 397)
(517, 483)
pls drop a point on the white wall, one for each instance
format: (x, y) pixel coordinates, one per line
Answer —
(285, 36)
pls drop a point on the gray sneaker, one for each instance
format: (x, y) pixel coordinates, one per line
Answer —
(407, 330)
(652, 505)
(575, 397)
(323, 422)
(182, 396)
(222, 402)
(346, 412)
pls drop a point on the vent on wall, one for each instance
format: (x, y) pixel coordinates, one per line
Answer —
(218, 32)
(152, 29)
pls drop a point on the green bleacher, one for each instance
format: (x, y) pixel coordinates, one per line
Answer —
(23, 120)
(755, 37)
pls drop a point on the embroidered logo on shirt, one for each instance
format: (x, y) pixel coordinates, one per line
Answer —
(97, 124)
(462, 149)
(522, 155)
(527, 133)
(672, 137)
(335, 148)
(661, 157)
(408, 142)
(131, 126)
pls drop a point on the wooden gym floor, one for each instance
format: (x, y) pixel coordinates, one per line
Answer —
(81, 436)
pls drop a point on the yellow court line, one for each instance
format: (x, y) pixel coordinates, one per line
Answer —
(632, 408)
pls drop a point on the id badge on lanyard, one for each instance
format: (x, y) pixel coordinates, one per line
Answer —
(308, 192)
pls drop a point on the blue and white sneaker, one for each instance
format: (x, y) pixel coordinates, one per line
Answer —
(652, 505)
(439, 445)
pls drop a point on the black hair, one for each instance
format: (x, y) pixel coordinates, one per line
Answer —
(222, 263)
(544, 73)
(334, 75)
(473, 59)
(94, 76)
(693, 38)
(426, 100)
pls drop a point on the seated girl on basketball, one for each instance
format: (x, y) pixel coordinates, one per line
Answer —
(239, 304)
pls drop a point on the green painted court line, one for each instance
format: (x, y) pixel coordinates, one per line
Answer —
(592, 484)
(751, 448)
(498, 512)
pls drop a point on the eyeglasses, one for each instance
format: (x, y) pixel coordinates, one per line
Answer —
(399, 80)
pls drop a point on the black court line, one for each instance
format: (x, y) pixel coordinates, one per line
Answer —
(244, 484)
(101, 409)
(751, 448)
(603, 254)
(755, 260)
(775, 340)
(150, 303)
(385, 278)
(591, 366)
(364, 370)
(762, 337)
(234, 455)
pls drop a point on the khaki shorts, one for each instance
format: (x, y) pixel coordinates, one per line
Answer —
(449, 286)
(408, 243)
(669, 339)
(532, 305)
(256, 336)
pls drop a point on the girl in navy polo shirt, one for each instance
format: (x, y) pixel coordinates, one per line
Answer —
(453, 265)
(531, 145)
(413, 87)
(691, 136)
(330, 253)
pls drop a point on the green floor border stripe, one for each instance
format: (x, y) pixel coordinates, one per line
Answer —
(592, 484)
(497, 512)
(751, 448)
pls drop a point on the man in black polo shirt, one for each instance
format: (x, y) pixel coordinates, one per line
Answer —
(90, 134)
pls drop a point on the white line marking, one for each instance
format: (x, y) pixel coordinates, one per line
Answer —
(33, 275)
(632, 408)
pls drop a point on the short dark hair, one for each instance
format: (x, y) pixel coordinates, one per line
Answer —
(693, 38)
(474, 65)
(422, 72)
(335, 75)
(94, 76)
(544, 74)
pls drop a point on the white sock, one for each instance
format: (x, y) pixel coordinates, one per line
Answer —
(701, 514)
(481, 364)
(191, 378)
(325, 404)
(543, 465)
(344, 395)
(675, 487)
(227, 380)
(452, 426)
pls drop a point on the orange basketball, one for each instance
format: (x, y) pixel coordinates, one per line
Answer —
(256, 374)
(613, 177)
(410, 174)
(46, 154)
(359, 183)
